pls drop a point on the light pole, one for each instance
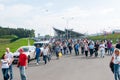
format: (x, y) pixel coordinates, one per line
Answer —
(67, 24)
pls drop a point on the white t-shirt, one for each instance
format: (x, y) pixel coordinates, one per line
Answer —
(102, 46)
(45, 51)
(9, 55)
(116, 59)
(5, 63)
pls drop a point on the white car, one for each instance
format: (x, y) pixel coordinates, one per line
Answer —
(41, 44)
(28, 50)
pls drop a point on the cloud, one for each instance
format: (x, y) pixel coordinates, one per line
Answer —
(36, 17)
(50, 4)
(75, 11)
(107, 11)
(2, 7)
(19, 10)
(15, 11)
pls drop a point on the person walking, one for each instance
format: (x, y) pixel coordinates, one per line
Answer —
(57, 49)
(82, 46)
(45, 54)
(96, 48)
(22, 64)
(37, 54)
(91, 48)
(116, 60)
(9, 55)
(70, 46)
(109, 46)
(5, 67)
(77, 46)
(102, 49)
(86, 49)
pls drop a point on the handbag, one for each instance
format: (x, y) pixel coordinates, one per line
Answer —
(60, 54)
(111, 65)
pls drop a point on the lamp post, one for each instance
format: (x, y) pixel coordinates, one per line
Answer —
(67, 24)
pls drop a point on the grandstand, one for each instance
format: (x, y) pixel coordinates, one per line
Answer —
(67, 34)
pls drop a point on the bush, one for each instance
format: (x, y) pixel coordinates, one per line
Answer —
(8, 37)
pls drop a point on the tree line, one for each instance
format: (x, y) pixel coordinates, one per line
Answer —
(19, 32)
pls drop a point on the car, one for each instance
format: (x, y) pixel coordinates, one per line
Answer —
(41, 45)
(28, 50)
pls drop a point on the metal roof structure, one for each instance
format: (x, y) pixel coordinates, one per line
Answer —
(67, 33)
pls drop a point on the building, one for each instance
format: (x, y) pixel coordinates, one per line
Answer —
(67, 34)
(117, 31)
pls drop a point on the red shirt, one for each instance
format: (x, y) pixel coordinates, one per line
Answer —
(22, 59)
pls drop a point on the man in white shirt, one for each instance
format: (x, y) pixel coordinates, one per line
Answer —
(9, 55)
(45, 53)
(102, 49)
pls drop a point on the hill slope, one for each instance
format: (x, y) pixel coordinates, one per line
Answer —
(15, 45)
(112, 37)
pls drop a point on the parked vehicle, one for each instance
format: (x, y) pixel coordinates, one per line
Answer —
(28, 50)
(41, 45)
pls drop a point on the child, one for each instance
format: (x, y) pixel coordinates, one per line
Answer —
(5, 67)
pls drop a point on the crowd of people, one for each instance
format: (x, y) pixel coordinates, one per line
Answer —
(85, 47)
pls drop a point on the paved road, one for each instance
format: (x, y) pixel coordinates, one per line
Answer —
(69, 68)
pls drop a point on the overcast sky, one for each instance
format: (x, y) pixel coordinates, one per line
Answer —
(84, 16)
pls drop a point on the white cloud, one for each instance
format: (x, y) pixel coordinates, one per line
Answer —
(50, 4)
(19, 10)
(43, 21)
(2, 7)
(107, 11)
(75, 11)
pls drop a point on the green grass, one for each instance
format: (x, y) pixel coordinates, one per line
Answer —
(112, 37)
(7, 39)
(4, 41)
(15, 45)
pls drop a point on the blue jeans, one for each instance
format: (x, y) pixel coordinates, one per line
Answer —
(37, 58)
(49, 57)
(22, 72)
(109, 51)
(11, 72)
(117, 71)
(76, 52)
(5, 73)
(45, 58)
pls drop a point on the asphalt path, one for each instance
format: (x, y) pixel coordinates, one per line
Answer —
(68, 67)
